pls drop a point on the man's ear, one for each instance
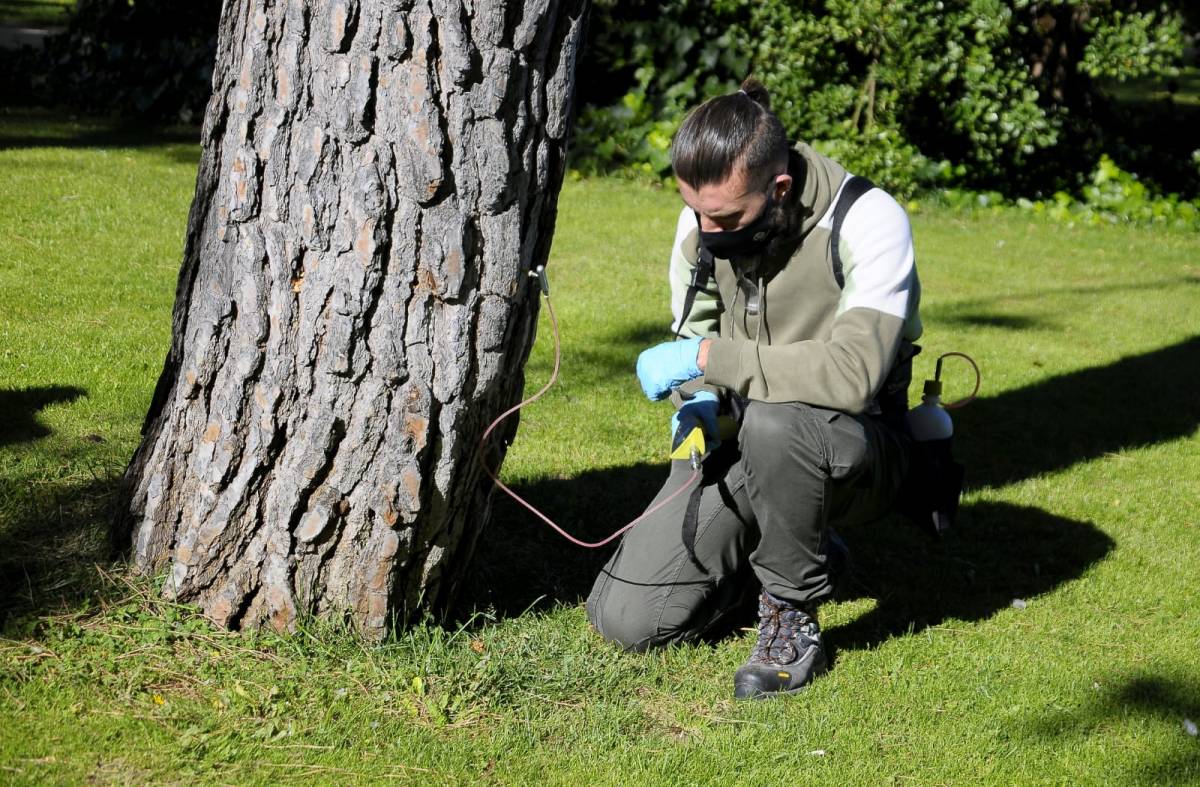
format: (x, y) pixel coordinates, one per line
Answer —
(783, 186)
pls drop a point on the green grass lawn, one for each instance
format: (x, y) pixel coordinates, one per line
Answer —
(1082, 460)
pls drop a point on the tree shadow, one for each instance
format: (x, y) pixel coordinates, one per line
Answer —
(53, 536)
(521, 564)
(950, 310)
(40, 128)
(33, 14)
(1008, 322)
(997, 553)
(1137, 401)
(19, 408)
(101, 135)
(1000, 552)
(640, 335)
(1164, 701)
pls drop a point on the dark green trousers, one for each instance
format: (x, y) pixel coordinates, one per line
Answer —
(765, 508)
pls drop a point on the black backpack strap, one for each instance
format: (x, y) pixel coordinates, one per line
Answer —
(714, 472)
(701, 273)
(716, 466)
(854, 188)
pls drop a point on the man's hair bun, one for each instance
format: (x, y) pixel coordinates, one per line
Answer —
(756, 92)
(726, 132)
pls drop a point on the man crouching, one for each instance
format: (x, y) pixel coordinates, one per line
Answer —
(795, 297)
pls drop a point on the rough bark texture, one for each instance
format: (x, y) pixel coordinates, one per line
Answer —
(353, 307)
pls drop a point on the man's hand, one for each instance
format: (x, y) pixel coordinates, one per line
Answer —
(666, 366)
(702, 407)
(702, 354)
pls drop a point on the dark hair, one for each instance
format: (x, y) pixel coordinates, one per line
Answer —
(725, 131)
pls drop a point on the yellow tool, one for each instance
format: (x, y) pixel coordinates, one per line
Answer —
(688, 444)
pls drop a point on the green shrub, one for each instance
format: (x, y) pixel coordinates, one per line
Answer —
(984, 94)
(646, 64)
(631, 136)
(1111, 196)
(885, 157)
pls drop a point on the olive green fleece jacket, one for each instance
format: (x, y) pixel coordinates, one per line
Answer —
(782, 330)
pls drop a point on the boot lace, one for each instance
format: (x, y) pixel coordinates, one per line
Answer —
(785, 632)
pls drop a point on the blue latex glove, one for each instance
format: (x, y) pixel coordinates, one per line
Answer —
(702, 407)
(666, 366)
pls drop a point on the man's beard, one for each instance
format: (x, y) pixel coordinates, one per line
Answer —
(784, 221)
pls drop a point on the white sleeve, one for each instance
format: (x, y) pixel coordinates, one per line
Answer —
(876, 248)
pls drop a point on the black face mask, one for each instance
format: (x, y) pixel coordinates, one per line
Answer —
(744, 241)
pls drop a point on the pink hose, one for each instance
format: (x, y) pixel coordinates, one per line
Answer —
(553, 377)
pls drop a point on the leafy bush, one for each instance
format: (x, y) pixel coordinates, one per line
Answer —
(645, 65)
(985, 94)
(889, 160)
(632, 136)
(1111, 196)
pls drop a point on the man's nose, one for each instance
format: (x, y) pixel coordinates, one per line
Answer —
(711, 225)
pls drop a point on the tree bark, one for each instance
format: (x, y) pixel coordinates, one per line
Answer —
(377, 179)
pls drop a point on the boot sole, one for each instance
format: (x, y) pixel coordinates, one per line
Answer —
(758, 694)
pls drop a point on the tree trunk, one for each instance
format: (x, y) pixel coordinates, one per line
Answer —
(378, 178)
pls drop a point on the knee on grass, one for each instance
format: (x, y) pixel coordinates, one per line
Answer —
(633, 625)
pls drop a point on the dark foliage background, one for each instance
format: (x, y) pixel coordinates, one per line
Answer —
(1016, 97)
(1007, 95)
(146, 59)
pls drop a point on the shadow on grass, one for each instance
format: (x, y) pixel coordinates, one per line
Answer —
(1010, 322)
(999, 552)
(964, 310)
(33, 13)
(521, 564)
(18, 411)
(1135, 402)
(52, 536)
(1141, 698)
(640, 336)
(46, 128)
(97, 134)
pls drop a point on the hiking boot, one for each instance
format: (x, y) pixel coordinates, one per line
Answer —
(788, 654)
